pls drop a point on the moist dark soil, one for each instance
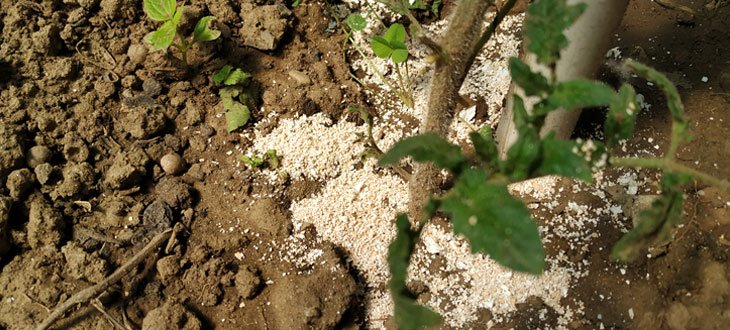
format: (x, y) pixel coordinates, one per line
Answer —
(87, 114)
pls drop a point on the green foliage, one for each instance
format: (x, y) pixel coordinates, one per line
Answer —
(485, 148)
(236, 97)
(409, 315)
(391, 44)
(656, 224)
(160, 10)
(544, 25)
(167, 12)
(203, 32)
(560, 157)
(621, 116)
(428, 147)
(269, 158)
(534, 84)
(495, 222)
(356, 22)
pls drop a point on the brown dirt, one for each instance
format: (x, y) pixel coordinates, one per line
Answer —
(87, 114)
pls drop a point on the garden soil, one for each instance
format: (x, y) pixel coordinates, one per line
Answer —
(87, 114)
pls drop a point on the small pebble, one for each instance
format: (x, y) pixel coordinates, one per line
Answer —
(137, 53)
(151, 87)
(172, 164)
(300, 77)
(38, 155)
(43, 172)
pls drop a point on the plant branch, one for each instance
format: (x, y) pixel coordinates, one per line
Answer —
(489, 32)
(457, 43)
(93, 291)
(670, 166)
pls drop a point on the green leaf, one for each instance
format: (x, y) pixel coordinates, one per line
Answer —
(559, 157)
(408, 314)
(396, 32)
(237, 77)
(544, 25)
(522, 157)
(296, 3)
(485, 147)
(159, 10)
(399, 55)
(162, 38)
(534, 84)
(356, 22)
(435, 7)
(252, 161)
(381, 47)
(272, 158)
(222, 74)
(428, 147)
(680, 125)
(237, 116)
(228, 95)
(203, 32)
(575, 94)
(494, 222)
(656, 224)
(621, 116)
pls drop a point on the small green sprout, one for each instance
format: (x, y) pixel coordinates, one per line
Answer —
(170, 14)
(391, 45)
(236, 97)
(269, 158)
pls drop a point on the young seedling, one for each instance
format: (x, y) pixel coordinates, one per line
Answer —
(170, 14)
(269, 158)
(237, 96)
(391, 45)
(480, 206)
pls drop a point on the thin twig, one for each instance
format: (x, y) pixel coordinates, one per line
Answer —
(100, 307)
(93, 291)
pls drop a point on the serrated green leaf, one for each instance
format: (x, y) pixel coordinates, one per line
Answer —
(559, 157)
(427, 147)
(544, 25)
(533, 83)
(656, 224)
(485, 147)
(237, 77)
(494, 222)
(222, 74)
(579, 93)
(163, 37)
(621, 117)
(203, 32)
(381, 47)
(237, 116)
(408, 314)
(159, 10)
(356, 22)
(396, 32)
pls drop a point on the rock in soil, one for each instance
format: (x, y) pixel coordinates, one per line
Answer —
(172, 164)
(77, 181)
(167, 268)
(170, 316)
(143, 122)
(248, 283)
(45, 224)
(5, 204)
(43, 172)
(175, 193)
(38, 155)
(128, 169)
(81, 265)
(137, 53)
(19, 183)
(264, 26)
(157, 217)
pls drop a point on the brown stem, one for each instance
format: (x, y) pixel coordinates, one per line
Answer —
(458, 44)
(93, 291)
